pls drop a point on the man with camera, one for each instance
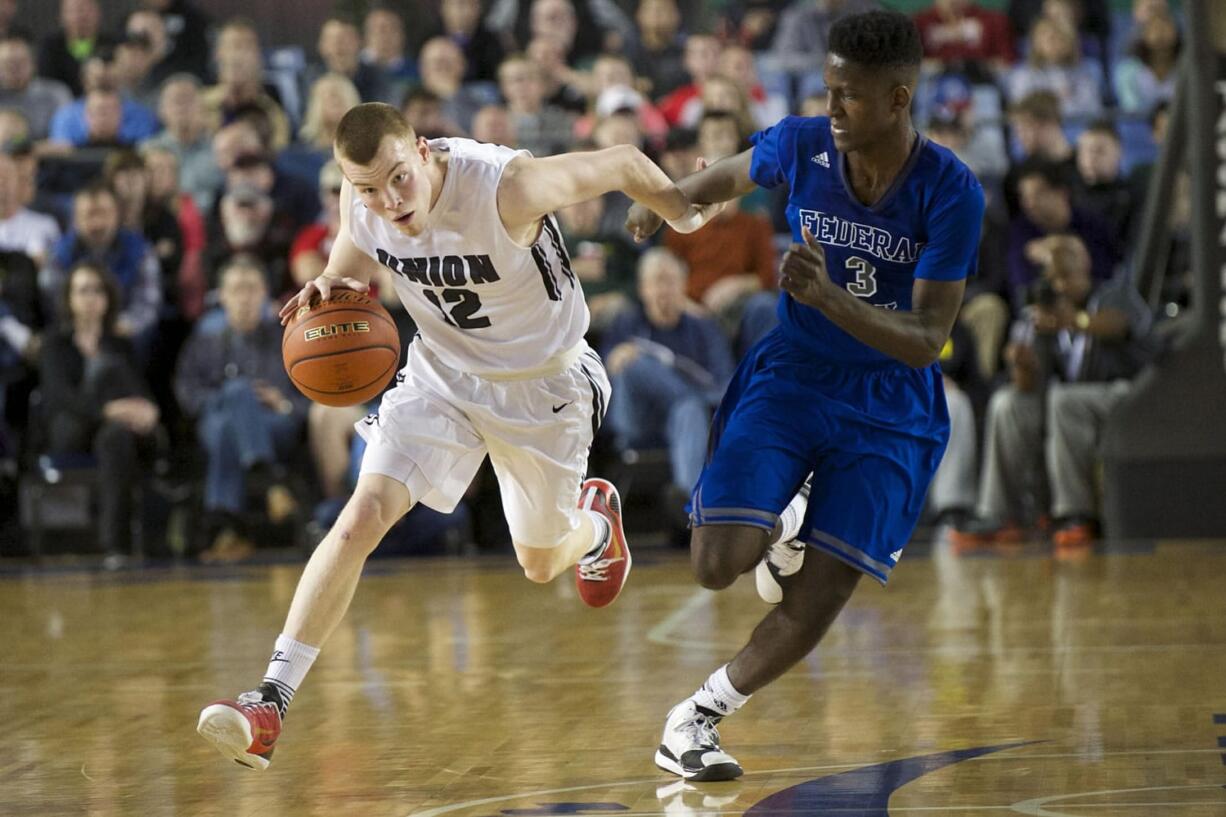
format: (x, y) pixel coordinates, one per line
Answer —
(1071, 356)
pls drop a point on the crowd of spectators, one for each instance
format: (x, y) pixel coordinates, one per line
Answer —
(165, 184)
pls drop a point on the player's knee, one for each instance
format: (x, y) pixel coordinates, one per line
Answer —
(363, 522)
(712, 567)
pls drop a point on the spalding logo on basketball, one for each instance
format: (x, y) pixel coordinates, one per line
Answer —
(342, 351)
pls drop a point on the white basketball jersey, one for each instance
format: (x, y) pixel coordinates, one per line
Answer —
(483, 304)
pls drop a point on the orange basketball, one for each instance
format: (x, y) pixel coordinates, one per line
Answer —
(342, 351)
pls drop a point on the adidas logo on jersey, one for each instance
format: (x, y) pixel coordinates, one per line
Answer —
(822, 159)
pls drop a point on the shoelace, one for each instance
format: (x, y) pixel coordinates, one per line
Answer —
(595, 572)
(701, 731)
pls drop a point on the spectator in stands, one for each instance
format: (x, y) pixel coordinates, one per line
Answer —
(1047, 208)
(383, 49)
(951, 498)
(21, 229)
(65, 52)
(1055, 64)
(701, 63)
(134, 62)
(737, 64)
(961, 35)
(248, 415)
(1102, 188)
(1039, 132)
(984, 154)
(613, 90)
(103, 116)
(660, 55)
(22, 326)
(150, 26)
(735, 258)
(139, 212)
(1091, 17)
(482, 49)
(246, 224)
(14, 129)
(32, 196)
(492, 124)
(295, 200)
(751, 23)
(540, 128)
(163, 166)
(563, 84)
(331, 96)
(340, 52)
(719, 93)
(309, 253)
(186, 137)
(603, 256)
(187, 29)
(9, 27)
(96, 236)
(800, 40)
(1148, 75)
(95, 400)
(669, 367)
(36, 97)
(442, 68)
(423, 110)
(583, 29)
(240, 82)
(1071, 357)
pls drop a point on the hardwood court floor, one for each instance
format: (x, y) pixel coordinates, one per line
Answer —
(972, 686)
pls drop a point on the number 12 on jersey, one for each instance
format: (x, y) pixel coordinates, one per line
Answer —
(460, 309)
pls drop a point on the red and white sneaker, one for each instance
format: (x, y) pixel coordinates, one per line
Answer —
(600, 578)
(244, 730)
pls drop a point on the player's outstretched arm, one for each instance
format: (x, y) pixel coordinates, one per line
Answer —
(714, 184)
(347, 266)
(533, 188)
(915, 337)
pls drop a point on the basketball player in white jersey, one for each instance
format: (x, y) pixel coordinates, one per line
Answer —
(500, 367)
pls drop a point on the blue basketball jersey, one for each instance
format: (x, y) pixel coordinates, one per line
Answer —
(926, 225)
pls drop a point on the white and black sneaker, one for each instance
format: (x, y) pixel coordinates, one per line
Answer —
(783, 558)
(690, 746)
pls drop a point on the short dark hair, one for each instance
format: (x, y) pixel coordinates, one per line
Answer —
(1105, 127)
(1053, 174)
(120, 160)
(1042, 105)
(96, 187)
(363, 128)
(878, 39)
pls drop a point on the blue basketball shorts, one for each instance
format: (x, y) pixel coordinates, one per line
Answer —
(872, 436)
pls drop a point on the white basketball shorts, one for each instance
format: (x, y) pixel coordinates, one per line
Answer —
(434, 428)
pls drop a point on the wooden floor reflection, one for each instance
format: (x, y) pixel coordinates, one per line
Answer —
(972, 686)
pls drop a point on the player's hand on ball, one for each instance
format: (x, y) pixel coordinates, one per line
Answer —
(321, 286)
(804, 271)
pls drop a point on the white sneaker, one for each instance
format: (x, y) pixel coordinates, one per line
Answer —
(690, 746)
(781, 559)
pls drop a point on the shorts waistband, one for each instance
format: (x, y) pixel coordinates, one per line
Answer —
(555, 365)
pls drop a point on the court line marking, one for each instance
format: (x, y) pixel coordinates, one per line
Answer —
(1034, 807)
(662, 632)
(660, 781)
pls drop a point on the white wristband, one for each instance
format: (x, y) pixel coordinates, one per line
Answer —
(688, 223)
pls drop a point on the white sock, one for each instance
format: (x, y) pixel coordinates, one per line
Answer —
(600, 536)
(718, 695)
(289, 665)
(790, 519)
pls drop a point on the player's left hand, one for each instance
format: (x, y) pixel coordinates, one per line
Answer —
(804, 272)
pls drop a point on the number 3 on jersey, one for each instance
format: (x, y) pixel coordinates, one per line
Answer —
(865, 285)
(464, 305)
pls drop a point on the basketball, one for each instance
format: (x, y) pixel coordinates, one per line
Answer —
(342, 351)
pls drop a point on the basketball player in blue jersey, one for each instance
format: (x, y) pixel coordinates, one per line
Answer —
(886, 230)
